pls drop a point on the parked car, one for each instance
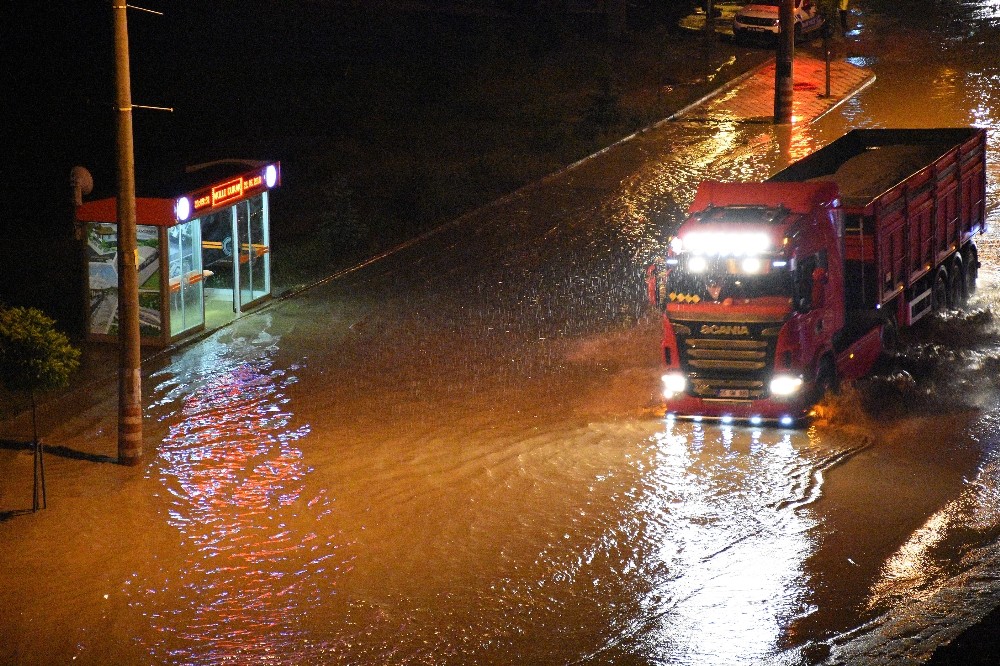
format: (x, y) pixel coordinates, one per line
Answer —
(758, 19)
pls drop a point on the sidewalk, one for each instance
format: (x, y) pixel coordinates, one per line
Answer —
(751, 98)
(747, 98)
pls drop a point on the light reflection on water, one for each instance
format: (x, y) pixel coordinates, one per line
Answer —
(729, 526)
(253, 556)
(941, 579)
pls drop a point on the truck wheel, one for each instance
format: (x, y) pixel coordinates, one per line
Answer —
(826, 378)
(956, 285)
(939, 293)
(890, 337)
(971, 264)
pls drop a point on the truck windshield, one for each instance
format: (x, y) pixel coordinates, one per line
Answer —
(718, 285)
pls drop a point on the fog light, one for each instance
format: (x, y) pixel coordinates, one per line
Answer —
(787, 420)
(785, 385)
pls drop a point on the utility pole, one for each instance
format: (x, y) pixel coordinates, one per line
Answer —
(783, 86)
(129, 375)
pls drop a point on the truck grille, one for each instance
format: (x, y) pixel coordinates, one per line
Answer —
(725, 361)
(726, 354)
(731, 389)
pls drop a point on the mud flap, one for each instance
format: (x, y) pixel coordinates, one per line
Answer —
(858, 359)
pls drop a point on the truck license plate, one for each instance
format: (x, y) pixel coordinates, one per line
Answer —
(734, 393)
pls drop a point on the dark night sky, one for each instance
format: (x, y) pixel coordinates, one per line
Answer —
(59, 71)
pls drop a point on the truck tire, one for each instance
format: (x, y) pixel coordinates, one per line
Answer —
(971, 265)
(939, 291)
(826, 378)
(956, 284)
(889, 338)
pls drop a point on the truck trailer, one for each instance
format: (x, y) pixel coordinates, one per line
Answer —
(774, 292)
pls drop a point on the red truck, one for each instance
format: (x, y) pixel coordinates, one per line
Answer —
(773, 292)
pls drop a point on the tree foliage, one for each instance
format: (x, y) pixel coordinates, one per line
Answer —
(34, 355)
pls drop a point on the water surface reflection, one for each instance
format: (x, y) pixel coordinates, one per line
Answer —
(725, 529)
(253, 557)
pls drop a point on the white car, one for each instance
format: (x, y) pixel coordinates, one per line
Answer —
(759, 19)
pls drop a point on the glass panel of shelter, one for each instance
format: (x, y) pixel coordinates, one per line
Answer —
(254, 260)
(187, 310)
(235, 244)
(217, 252)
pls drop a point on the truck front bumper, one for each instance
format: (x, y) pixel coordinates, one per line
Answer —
(788, 412)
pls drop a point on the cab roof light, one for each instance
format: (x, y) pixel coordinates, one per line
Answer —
(723, 244)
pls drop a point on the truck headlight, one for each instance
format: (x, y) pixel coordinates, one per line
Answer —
(785, 384)
(752, 265)
(673, 383)
(697, 265)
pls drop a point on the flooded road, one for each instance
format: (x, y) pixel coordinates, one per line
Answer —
(455, 456)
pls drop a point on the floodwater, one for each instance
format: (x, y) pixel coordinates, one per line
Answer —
(454, 454)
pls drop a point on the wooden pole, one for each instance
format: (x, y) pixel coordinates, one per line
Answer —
(129, 375)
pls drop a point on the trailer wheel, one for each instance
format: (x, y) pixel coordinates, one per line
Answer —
(939, 293)
(971, 264)
(956, 285)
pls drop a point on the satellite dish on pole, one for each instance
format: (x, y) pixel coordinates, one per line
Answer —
(82, 183)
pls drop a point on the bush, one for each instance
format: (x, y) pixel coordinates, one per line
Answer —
(34, 356)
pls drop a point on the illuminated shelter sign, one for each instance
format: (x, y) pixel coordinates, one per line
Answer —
(228, 192)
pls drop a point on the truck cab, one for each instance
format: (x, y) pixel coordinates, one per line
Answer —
(752, 292)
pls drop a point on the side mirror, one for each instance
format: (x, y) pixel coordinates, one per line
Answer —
(656, 286)
(651, 283)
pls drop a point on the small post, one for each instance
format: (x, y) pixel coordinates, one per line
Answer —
(826, 51)
(39, 462)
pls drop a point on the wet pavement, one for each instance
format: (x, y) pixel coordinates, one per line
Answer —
(752, 99)
(455, 455)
